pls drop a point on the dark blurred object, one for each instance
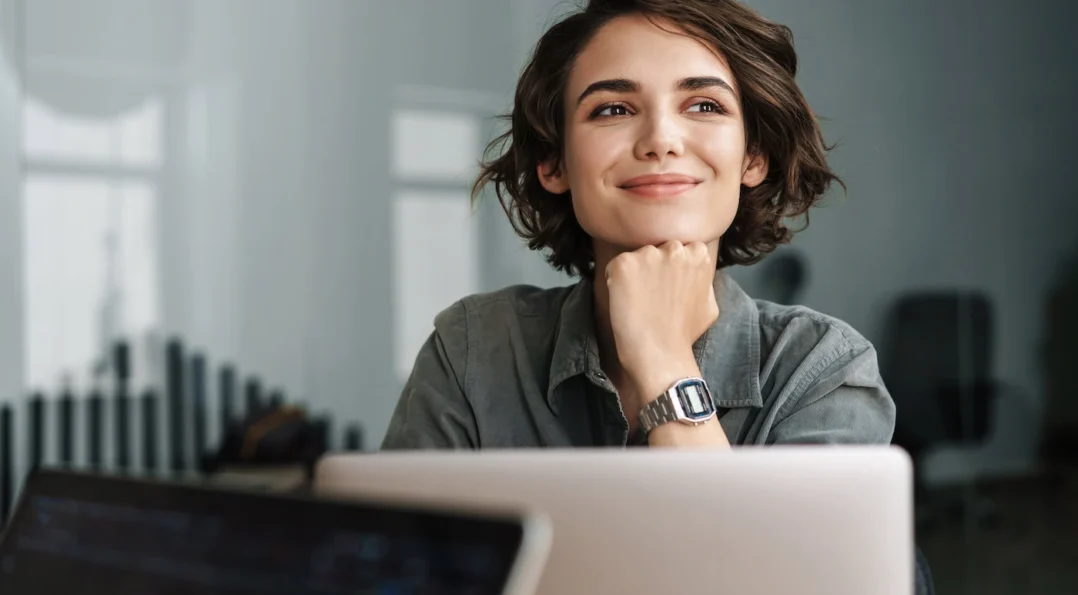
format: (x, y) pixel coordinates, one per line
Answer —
(95, 411)
(7, 462)
(198, 405)
(273, 448)
(938, 369)
(282, 435)
(176, 397)
(325, 426)
(784, 277)
(121, 365)
(1060, 356)
(66, 425)
(276, 398)
(165, 426)
(36, 449)
(253, 393)
(121, 360)
(227, 394)
(353, 438)
(150, 459)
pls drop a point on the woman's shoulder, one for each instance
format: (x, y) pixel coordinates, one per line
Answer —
(819, 380)
(503, 342)
(510, 304)
(803, 325)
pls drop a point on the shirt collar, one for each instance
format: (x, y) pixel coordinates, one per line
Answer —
(728, 353)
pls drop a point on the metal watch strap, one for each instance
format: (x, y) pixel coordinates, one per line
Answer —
(658, 412)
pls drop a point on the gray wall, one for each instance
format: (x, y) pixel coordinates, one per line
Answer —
(10, 235)
(11, 298)
(276, 249)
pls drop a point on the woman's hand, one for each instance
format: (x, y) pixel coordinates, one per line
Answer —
(661, 301)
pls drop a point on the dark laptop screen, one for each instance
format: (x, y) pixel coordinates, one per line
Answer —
(76, 533)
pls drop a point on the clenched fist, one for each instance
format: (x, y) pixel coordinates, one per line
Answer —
(661, 301)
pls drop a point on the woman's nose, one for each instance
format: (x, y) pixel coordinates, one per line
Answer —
(660, 138)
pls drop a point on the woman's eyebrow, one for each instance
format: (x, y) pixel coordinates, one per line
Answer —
(615, 85)
(692, 83)
(696, 83)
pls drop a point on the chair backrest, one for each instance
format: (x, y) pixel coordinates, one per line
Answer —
(1058, 354)
(937, 339)
(936, 363)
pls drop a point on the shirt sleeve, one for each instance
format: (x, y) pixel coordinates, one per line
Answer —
(433, 410)
(845, 403)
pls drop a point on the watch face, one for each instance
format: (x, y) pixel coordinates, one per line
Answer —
(695, 399)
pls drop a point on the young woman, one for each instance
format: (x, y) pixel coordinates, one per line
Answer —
(653, 144)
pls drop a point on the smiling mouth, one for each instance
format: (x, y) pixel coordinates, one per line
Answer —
(660, 185)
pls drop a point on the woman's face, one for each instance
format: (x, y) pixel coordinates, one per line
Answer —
(655, 146)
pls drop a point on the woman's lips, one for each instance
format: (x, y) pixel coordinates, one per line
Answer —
(660, 185)
(660, 190)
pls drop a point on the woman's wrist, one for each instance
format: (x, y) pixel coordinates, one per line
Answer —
(655, 375)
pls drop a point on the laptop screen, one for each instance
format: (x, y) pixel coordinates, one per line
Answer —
(75, 533)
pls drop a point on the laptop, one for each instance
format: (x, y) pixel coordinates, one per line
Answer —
(86, 534)
(821, 520)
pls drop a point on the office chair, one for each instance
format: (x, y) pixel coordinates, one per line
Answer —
(937, 367)
(1058, 354)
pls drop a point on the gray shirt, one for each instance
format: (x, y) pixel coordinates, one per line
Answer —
(520, 368)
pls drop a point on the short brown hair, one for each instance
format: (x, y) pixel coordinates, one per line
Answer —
(777, 118)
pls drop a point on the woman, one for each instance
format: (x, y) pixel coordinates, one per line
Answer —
(653, 144)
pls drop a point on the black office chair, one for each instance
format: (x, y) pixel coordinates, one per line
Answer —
(936, 362)
(1058, 354)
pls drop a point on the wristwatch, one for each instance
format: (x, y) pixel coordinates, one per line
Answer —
(688, 401)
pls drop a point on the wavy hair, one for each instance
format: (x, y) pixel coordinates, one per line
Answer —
(778, 123)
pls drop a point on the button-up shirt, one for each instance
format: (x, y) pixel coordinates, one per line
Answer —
(520, 368)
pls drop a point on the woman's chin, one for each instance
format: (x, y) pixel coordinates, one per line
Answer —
(658, 239)
(629, 238)
(659, 230)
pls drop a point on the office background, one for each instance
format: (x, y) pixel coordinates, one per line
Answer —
(284, 184)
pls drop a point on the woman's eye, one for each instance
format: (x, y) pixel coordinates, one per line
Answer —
(608, 111)
(706, 107)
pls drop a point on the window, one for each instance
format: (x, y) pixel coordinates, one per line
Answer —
(436, 255)
(90, 199)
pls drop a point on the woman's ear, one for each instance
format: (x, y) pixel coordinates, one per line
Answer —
(755, 168)
(552, 177)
